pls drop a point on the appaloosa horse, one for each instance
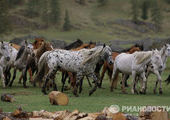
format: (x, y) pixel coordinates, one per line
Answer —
(82, 62)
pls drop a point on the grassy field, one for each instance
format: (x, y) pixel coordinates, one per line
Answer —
(32, 99)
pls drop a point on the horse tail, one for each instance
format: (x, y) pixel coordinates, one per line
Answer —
(42, 67)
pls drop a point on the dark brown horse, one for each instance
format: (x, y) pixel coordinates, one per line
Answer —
(109, 68)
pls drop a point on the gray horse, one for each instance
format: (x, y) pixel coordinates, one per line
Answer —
(21, 61)
(4, 59)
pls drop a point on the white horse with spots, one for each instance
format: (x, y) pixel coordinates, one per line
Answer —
(82, 62)
(135, 65)
(156, 69)
(12, 53)
(4, 59)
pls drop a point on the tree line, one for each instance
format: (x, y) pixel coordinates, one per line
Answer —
(50, 13)
(142, 10)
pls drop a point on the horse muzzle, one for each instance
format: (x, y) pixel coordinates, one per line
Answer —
(160, 67)
(110, 62)
(7, 58)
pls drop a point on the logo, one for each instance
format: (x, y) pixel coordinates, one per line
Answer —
(114, 109)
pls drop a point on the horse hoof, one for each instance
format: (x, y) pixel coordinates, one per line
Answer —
(90, 93)
(160, 92)
(154, 91)
(44, 92)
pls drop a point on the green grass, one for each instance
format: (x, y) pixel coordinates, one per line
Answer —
(32, 99)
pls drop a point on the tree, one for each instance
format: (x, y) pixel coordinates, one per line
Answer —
(102, 2)
(134, 11)
(44, 11)
(55, 11)
(4, 20)
(66, 25)
(156, 15)
(145, 9)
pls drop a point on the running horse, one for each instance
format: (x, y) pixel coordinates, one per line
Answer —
(82, 62)
(109, 68)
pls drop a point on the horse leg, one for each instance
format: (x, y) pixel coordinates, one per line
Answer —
(63, 80)
(81, 84)
(24, 74)
(116, 80)
(123, 83)
(30, 74)
(96, 84)
(114, 77)
(133, 82)
(159, 79)
(89, 81)
(78, 78)
(143, 90)
(126, 79)
(102, 76)
(2, 77)
(47, 78)
(52, 76)
(20, 78)
(14, 76)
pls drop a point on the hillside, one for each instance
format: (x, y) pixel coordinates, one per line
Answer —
(90, 22)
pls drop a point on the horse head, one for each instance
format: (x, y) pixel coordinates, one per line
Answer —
(156, 59)
(28, 48)
(5, 50)
(37, 43)
(106, 54)
(167, 49)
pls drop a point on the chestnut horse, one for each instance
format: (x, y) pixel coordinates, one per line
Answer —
(109, 68)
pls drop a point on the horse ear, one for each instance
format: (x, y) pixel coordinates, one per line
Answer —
(26, 43)
(104, 45)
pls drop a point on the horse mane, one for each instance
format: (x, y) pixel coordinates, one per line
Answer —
(20, 52)
(142, 56)
(44, 47)
(90, 54)
(163, 49)
(75, 44)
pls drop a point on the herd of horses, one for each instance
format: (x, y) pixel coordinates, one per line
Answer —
(79, 60)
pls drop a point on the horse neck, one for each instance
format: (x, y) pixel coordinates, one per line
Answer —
(163, 55)
(25, 55)
(3, 62)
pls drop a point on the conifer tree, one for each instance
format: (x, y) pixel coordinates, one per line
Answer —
(4, 20)
(134, 11)
(67, 25)
(55, 11)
